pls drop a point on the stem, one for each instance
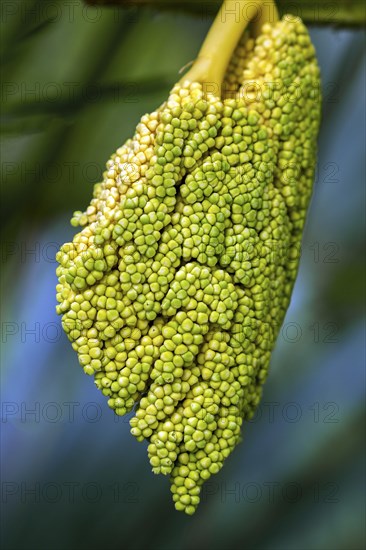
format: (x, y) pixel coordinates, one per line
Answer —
(223, 37)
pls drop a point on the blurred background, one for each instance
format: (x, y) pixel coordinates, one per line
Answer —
(76, 80)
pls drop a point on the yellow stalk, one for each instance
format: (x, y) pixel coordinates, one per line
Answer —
(218, 47)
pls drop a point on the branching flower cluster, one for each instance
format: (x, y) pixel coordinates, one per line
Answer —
(173, 256)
